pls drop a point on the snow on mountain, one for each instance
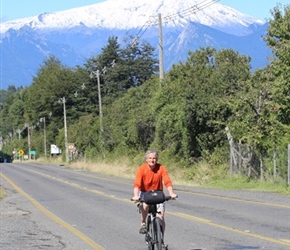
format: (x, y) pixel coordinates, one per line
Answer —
(128, 14)
(76, 34)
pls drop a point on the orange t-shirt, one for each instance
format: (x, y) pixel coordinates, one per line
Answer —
(148, 180)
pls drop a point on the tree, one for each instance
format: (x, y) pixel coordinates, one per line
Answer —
(122, 68)
(55, 81)
(12, 111)
(133, 126)
(108, 64)
(278, 39)
(140, 63)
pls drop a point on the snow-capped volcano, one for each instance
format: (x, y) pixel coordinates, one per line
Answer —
(76, 34)
(128, 14)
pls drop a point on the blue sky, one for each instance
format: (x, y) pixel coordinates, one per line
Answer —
(13, 9)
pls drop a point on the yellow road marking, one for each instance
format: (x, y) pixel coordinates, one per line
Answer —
(54, 217)
(235, 199)
(208, 222)
(83, 188)
(187, 216)
(196, 193)
(199, 194)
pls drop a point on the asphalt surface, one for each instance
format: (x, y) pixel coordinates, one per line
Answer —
(23, 226)
(98, 206)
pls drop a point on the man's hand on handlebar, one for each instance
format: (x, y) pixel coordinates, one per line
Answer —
(173, 196)
(135, 198)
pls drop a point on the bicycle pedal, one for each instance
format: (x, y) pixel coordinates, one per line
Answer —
(164, 247)
(147, 238)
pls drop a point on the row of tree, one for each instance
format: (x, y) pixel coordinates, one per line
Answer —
(184, 115)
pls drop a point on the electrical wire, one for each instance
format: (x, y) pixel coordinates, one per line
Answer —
(186, 12)
(191, 10)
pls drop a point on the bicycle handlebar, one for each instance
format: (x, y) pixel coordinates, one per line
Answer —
(167, 198)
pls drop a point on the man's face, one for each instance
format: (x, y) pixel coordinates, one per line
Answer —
(151, 159)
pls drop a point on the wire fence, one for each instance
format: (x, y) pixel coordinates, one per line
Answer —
(245, 160)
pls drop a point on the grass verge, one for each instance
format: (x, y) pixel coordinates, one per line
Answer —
(201, 175)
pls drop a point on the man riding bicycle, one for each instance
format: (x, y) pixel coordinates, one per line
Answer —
(151, 176)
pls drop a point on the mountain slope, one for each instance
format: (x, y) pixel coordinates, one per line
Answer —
(76, 34)
(195, 36)
(128, 14)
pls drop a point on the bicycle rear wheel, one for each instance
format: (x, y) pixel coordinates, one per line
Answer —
(158, 234)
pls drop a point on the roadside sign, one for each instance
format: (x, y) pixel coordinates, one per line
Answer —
(20, 152)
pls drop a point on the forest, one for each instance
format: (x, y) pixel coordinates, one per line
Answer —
(213, 107)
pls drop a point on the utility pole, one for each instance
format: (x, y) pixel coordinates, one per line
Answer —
(42, 119)
(65, 131)
(97, 75)
(29, 142)
(28, 138)
(100, 102)
(233, 160)
(161, 59)
(62, 100)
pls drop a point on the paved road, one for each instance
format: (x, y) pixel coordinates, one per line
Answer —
(54, 207)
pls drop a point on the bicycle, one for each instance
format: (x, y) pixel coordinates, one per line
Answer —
(154, 224)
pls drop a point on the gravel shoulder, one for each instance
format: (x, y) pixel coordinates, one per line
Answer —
(23, 226)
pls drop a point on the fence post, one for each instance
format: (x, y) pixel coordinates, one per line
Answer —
(232, 154)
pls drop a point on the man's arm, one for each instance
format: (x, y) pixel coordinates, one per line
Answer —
(136, 194)
(171, 192)
(137, 183)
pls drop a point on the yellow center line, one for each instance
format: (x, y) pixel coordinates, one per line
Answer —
(80, 187)
(182, 215)
(208, 222)
(197, 193)
(53, 217)
(236, 199)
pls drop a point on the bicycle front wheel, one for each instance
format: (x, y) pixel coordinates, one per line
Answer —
(149, 237)
(158, 234)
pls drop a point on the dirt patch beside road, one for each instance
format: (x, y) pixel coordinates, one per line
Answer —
(23, 226)
(19, 230)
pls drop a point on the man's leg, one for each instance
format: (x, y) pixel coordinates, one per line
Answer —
(144, 212)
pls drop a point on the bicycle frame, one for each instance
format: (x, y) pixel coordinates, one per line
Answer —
(154, 235)
(154, 224)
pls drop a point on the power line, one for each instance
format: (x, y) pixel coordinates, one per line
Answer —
(191, 10)
(186, 12)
